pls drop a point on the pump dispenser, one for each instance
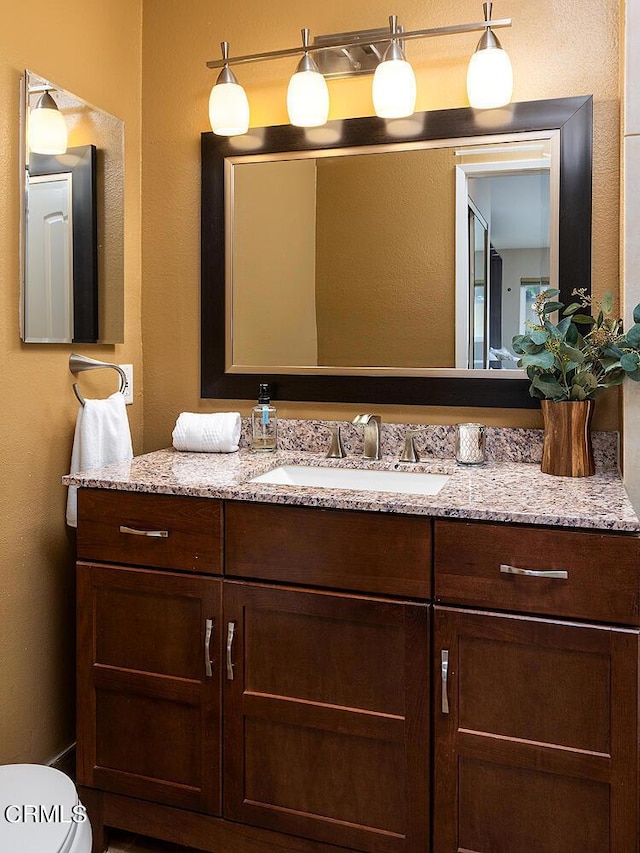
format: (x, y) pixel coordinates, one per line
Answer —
(264, 423)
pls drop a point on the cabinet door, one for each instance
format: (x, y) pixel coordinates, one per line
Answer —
(536, 735)
(326, 717)
(148, 702)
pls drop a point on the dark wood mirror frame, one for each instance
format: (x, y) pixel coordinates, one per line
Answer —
(573, 117)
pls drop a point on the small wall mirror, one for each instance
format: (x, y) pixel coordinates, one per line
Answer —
(72, 237)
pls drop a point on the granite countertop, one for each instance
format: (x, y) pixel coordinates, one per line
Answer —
(506, 491)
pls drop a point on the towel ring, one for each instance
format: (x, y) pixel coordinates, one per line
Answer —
(79, 363)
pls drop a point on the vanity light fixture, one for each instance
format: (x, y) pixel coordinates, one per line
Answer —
(307, 95)
(394, 83)
(489, 77)
(47, 127)
(228, 102)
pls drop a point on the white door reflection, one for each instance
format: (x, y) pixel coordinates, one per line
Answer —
(49, 259)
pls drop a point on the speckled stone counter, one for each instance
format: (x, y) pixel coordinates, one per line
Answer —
(506, 491)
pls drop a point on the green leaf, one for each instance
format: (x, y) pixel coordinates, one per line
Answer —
(544, 359)
(583, 318)
(516, 344)
(572, 353)
(630, 362)
(636, 314)
(635, 375)
(633, 336)
(613, 351)
(571, 309)
(572, 335)
(539, 336)
(550, 307)
(550, 291)
(600, 319)
(549, 388)
(608, 362)
(587, 380)
(578, 393)
(528, 347)
(608, 301)
(615, 377)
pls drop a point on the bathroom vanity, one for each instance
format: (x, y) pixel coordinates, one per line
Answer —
(269, 668)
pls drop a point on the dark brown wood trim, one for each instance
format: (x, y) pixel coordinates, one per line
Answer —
(572, 116)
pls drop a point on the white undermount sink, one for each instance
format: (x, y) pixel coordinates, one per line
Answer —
(402, 482)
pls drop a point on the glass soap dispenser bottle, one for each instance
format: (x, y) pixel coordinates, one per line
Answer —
(264, 423)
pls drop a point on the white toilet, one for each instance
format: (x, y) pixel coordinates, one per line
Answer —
(40, 812)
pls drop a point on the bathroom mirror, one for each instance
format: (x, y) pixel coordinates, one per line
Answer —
(343, 264)
(72, 215)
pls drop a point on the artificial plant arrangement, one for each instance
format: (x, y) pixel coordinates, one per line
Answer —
(581, 355)
(569, 363)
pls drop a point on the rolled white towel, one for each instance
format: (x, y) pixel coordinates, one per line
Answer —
(207, 433)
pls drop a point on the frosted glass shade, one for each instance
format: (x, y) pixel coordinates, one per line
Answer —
(489, 79)
(394, 89)
(47, 131)
(308, 99)
(228, 109)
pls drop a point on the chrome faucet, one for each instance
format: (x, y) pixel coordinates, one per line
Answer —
(371, 424)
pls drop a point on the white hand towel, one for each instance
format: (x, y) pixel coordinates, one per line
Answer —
(207, 433)
(102, 436)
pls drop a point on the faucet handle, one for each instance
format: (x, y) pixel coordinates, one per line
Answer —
(336, 450)
(409, 452)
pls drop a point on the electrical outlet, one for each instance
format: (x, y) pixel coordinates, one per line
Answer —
(128, 391)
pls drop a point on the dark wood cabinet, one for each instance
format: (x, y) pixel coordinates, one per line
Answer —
(331, 548)
(149, 721)
(310, 699)
(593, 576)
(327, 717)
(535, 735)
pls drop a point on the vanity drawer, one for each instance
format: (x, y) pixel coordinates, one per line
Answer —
(338, 549)
(117, 527)
(486, 565)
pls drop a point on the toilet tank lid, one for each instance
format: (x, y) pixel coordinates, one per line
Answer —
(39, 808)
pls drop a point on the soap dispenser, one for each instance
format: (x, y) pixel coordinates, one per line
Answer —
(264, 423)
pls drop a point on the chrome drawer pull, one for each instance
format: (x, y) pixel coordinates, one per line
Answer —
(531, 573)
(444, 669)
(208, 628)
(231, 629)
(155, 534)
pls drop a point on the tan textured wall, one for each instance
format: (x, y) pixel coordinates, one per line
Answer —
(547, 48)
(92, 50)
(274, 292)
(386, 297)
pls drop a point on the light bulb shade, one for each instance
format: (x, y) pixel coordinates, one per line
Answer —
(394, 89)
(228, 109)
(489, 79)
(308, 99)
(47, 128)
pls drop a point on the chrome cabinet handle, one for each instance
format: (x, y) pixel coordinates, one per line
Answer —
(208, 628)
(155, 534)
(231, 630)
(444, 670)
(531, 573)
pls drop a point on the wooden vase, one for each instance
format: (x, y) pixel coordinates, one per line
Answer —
(567, 450)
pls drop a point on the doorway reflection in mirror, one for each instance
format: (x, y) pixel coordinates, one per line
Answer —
(72, 223)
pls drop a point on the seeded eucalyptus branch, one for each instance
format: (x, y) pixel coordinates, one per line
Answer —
(583, 354)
